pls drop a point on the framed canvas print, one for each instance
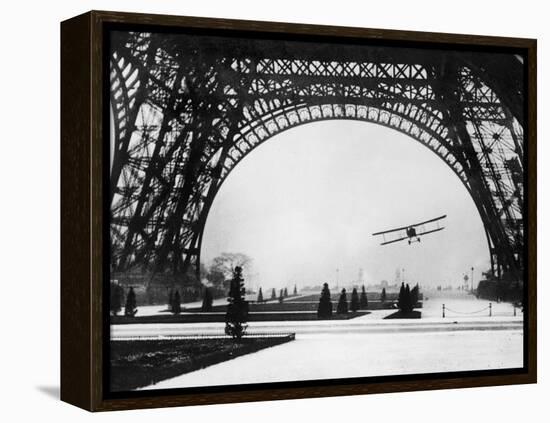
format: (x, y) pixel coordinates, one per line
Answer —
(257, 210)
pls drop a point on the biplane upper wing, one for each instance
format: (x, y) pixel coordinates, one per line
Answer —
(429, 221)
(391, 230)
(409, 226)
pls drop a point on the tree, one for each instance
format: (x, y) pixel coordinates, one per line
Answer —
(170, 299)
(176, 303)
(190, 280)
(295, 290)
(216, 278)
(408, 302)
(225, 263)
(207, 300)
(401, 297)
(281, 296)
(363, 301)
(342, 307)
(354, 304)
(260, 296)
(237, 309)
(273, 294)
(414, 295)
(383, 296)
(404, 299)
(116, 293)
(130, 306)
(285, 293)
(325, 304)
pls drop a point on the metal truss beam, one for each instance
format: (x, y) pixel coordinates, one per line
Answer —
(183, 119)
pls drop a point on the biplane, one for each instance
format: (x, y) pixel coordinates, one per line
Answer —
(411, 232)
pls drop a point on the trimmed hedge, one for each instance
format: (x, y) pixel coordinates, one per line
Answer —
(220, 317)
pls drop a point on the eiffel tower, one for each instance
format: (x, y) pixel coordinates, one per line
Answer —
(186, 108)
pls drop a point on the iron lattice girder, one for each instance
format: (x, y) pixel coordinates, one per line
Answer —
(183, 120)
(270, 124)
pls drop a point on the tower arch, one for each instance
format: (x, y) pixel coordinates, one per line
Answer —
(183, 120)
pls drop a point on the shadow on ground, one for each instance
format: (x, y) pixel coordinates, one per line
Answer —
(50, 391)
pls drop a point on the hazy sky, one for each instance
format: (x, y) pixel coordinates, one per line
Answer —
(307, 201)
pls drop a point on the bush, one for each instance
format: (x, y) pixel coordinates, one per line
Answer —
(170, 299)
(176, 303)
(414, 296)
(404, 300)
(354, 304)
(363, 301)
(342, 307)
(237, 309)
(325, 305)
(116, 294)
(130, 307)
(500, 290)
(207, 300)
(260, 296)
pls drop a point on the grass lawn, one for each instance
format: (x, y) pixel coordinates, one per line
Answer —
(136, 364)
(294, 305)
(402, 315)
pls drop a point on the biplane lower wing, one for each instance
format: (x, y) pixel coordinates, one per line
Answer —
(394, 240)
(433, 230)
(393, 236)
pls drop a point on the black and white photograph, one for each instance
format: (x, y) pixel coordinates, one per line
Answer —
(272, 212)
(295, 209)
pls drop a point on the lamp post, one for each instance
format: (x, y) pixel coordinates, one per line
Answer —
(472, 279)
(337, 273)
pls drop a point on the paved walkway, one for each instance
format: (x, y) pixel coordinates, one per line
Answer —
(342, 355)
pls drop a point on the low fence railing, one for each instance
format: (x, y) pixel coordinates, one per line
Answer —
(486, 310)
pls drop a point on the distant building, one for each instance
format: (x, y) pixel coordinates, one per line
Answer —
(360, 277)
(397, 279)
